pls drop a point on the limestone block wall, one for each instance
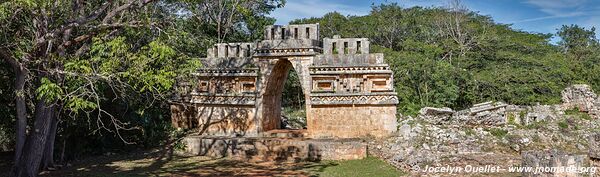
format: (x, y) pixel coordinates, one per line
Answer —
(216, 120)
(349, 92)
(275, 149)
(303, 31)
(224, 50)
(351, 121)
(227, 120)
(337, 45)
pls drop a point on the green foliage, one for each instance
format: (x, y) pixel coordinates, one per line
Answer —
(497, 132)
(563, 125)
(511, 119)
(491, 62)
(77, 104)
(469, 132)
(130, 75)
(49, 91)
(578, 41)
(576, 113)
(292, 96)
(536, 125)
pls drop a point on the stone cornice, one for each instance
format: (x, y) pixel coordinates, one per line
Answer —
(373, 69)
(226, 72)
(384, 98)
(219, 99)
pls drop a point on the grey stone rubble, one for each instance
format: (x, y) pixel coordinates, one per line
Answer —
(553, 158)
(490, 133)
(436, 115)
(581, 97)
(594, 146)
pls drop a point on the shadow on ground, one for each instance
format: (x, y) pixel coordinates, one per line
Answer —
(158, 163)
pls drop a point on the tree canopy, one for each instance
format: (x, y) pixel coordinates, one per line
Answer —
(95, 75)
(452, 57)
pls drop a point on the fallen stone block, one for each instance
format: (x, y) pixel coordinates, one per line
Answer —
(594, 146)
(552, 163)
(431, 111)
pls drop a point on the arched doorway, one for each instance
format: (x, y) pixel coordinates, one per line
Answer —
(273, 87)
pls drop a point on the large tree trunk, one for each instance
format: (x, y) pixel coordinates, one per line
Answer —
(21, 113)
(36, 142)
(21, 124)
(48, 158)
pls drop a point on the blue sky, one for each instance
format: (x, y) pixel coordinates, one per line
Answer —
(541, 16)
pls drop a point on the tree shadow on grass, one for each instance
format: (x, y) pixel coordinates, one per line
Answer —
(157, 163)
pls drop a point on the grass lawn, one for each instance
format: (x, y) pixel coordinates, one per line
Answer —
(365, 167)
(155, 164)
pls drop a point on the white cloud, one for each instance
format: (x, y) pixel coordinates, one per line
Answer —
(562, 9)
(558, 7)
(313, 8)
(563, 15)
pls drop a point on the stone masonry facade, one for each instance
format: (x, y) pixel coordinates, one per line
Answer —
(349, 92)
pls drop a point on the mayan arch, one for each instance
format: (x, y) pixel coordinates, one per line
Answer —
(349, 92)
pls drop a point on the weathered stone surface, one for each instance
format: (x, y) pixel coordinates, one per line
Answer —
(552, 158)
(223, 120)
(582, 97)
(436, 115)
(275, 149)
(348, 91)
(431, 111)
(351, 121)
(594, 146)
(487, 113)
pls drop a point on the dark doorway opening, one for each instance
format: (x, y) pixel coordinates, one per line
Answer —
(293, 114)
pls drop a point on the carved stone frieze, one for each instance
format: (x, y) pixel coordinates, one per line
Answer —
(222, 99)
(354, 99)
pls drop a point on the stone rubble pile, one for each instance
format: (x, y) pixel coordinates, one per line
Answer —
(594, 152)
(436, 115)
(582, 97)
(496, 133)
(594, 146)
(491, 113)
(552, 158)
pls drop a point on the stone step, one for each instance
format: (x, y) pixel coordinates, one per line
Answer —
(264, 149)
(284, 133)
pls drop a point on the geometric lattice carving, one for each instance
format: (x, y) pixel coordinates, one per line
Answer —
(354, 99)
(248, 99)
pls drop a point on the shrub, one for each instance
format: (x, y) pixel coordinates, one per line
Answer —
(498, 132)
(563, 125)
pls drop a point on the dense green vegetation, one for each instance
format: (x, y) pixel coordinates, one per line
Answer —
(95, 76)
(103, 80)
(437, 62)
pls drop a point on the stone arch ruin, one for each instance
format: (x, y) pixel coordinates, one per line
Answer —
(349, 92)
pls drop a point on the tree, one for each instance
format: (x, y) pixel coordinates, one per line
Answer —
(73, 58)
(39, 37)
(227, 17)
(577, 41)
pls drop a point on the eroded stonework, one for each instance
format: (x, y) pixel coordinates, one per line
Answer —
(348, 91)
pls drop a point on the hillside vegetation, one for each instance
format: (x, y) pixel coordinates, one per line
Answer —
(455, 58)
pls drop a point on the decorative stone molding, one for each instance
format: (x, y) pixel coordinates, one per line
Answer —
(226, 99)
(226, 72)
(377, 69)
(354, 99)
(238, 91)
